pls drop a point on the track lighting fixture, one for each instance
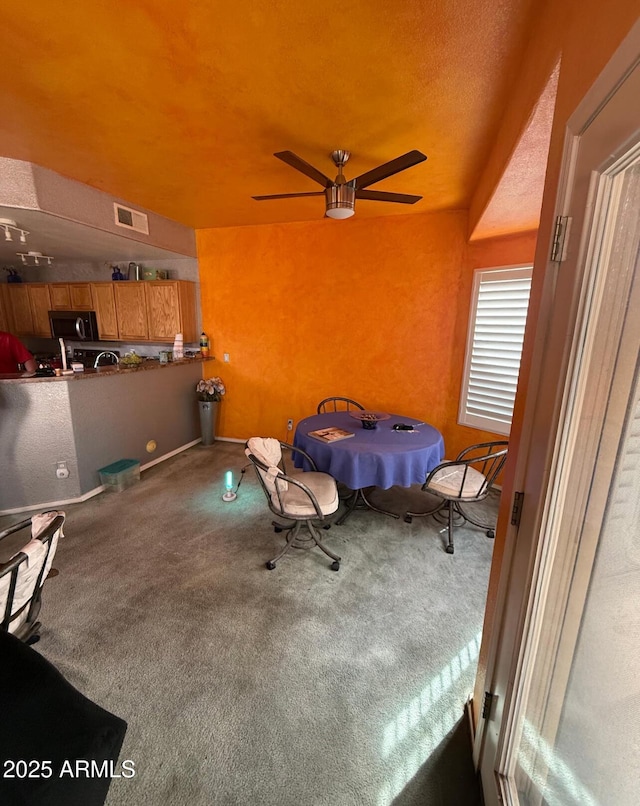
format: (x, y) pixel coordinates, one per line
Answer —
(34, 258)
(9, 226)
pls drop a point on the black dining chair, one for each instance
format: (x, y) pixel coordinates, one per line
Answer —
(466, 480)
(338, 404)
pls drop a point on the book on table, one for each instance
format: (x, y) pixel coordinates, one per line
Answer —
(331, 434)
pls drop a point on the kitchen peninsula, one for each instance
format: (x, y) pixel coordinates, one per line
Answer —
(88, 420)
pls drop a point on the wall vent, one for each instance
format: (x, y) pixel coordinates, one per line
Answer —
(130, 219)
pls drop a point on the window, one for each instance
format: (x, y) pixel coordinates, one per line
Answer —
(497, 319)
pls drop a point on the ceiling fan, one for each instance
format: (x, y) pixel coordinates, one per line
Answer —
(341, 195)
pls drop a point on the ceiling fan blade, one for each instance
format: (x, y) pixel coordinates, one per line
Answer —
(389, 168)
(380, 195)
(300, 165)
(288, 195)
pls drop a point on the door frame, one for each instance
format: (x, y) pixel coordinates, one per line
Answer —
(505, 641)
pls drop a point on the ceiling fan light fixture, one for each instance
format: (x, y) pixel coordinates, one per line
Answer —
(341, 195)
(341, 201)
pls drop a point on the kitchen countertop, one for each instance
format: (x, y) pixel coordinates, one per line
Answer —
(100, 372)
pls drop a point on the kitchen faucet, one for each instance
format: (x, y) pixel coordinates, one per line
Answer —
(105, 352)
(63, 355)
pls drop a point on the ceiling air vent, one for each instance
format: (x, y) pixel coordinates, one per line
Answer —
(130, 219)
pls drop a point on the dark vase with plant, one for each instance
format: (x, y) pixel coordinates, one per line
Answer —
(209, 392)
(13, 277)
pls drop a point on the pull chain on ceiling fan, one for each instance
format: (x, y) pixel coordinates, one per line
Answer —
(340, 195)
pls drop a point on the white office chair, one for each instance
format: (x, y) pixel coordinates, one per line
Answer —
(466, 480)
(305, 498)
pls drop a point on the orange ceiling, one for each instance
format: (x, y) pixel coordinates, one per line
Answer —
(178, 107)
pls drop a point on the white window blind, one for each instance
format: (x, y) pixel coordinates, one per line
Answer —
(497, 319)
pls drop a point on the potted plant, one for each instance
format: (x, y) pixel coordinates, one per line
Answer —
(209, 392)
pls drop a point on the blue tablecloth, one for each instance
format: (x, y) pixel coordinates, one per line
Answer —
(380, 457)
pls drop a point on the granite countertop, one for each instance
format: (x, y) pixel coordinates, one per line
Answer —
(101, 372)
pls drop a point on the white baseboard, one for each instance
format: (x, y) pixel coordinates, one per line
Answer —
(96, 490)
(170, 454)
(55, 504)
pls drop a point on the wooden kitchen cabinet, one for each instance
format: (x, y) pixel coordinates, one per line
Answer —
(131, 310)
(104, 304)
(81, 298)
(150, 310)
(71, 297)
(40, 302)
(17, 297)
(171, 309)
(60, 299)
(6, 320)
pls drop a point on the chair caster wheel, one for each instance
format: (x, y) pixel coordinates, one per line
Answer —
(335, 566)
(449, 549)
(491, 533)
(270, 565)
(408, 519)
(277, 529)
(327, 526)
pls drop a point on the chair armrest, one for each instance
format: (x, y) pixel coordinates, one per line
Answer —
(293, 449)
(14, 562)
(303, 487)
(15, 528)
(55, 524)
(492, 449)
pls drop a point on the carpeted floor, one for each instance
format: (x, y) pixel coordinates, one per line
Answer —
(272, 688)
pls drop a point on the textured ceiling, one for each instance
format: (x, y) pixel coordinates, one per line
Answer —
(178, 107)
(516, 202)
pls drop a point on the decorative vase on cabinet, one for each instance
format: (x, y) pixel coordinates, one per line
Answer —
(208, 414)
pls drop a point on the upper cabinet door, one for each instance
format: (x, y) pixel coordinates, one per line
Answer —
(163, 308)
(171, 310)
(80, 295)
(131, 310)
(40, 302)
(60, 299)
(18, 296)
(71, 296)
(6, 322)
(104, 304)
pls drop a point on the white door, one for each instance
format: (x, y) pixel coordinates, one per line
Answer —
(564, 726)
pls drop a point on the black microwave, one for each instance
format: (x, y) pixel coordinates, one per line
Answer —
(74, 325)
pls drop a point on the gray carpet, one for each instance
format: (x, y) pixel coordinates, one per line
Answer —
(246, 686)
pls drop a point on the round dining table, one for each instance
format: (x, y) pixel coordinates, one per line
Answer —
(372, 457)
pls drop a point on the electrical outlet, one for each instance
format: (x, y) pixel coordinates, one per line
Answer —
(289, 425)
(62, 471)
(225, 358)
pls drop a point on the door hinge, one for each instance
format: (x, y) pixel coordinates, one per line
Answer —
(560, 239)
(487, 702)
(516, 511)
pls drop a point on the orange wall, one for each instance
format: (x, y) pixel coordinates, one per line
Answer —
(364, 308)
(376, 310)
(487, 254)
